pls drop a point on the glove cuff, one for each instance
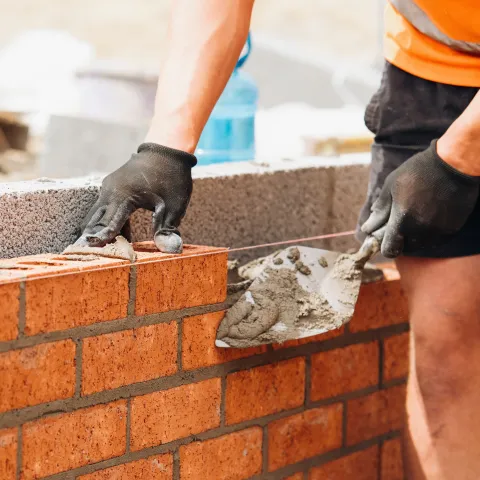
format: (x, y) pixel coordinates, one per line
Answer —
(188, 158)
(452, 170)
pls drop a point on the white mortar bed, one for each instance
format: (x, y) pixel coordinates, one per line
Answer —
(234, 204)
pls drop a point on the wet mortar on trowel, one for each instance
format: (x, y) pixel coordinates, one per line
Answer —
(277, 303)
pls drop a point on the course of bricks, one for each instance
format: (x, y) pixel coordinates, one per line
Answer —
(108, 370)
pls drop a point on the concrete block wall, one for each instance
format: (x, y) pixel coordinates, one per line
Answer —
(109, 371)
(234, 205)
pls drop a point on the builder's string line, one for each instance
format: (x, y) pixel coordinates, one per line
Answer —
(296, 240)
(76, 271)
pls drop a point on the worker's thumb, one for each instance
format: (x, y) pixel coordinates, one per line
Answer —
(393, 241)
(380, 213)
(168, 242)
(166, 236)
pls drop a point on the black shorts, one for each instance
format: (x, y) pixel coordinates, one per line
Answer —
(406, 114)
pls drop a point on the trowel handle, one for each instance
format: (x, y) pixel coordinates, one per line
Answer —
(370, 247)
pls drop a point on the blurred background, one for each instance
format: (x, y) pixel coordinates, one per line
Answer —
(77, 79)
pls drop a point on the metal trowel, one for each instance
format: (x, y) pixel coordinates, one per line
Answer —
(296, 293)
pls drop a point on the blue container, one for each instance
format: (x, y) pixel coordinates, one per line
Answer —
(229, 135)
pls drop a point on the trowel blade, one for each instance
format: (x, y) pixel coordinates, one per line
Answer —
(299, 292)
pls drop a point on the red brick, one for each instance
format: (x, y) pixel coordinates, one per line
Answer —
(297, 476)
(198, 343)
(75, 295)
(301, 436)
(395, 355)
(361, 465)
(63, 442)
(148, 251)
(36, 266)
(21, 268)
(36, 375)
(162, 417)
(375, 414)
(122, 358)
(158, 467)
(8, 454)
(11, 276)
(236, 456)
(10, 301)
(197, 277)
(265, 390)
(392, 463)
(343, 370)
(379, 304)
(315, 338)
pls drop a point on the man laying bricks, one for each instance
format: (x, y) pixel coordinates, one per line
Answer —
(424, 188)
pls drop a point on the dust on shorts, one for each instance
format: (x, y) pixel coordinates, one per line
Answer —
(406, 114)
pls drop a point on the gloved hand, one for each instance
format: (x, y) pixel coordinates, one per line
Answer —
(156, 178)
(421, 203)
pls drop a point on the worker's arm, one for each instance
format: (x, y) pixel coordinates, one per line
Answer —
(433, 193)
(205, 40)
(460, 145)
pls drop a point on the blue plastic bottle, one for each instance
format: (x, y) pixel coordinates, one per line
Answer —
(229, 135)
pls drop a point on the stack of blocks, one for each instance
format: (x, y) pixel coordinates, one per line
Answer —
(109, 371)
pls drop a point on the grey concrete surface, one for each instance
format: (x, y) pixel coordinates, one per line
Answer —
(233, 205)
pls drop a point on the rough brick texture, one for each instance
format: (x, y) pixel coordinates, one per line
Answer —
(379, 305)
(344, 370)
(83, 437)
(158, 467)
(375, 414)
(395, 355)
(109, 372)
(75, 294)
(129, 356)
(236, 456)
(265, 390)
(199, 350)
(176, 413)
(8, 454)
(76, 300)
(391, 460)
(10, 304)
(304, 435)
(361, 465)
(36, 375)
(297, 476)
(176, 283)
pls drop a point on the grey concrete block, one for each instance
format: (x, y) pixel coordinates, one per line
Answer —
(233, 205)
(42, 216)
(349, 194)
(260, 205)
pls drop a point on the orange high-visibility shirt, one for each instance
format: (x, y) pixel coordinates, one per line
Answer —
(438, 40)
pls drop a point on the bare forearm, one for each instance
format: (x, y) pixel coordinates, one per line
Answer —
(205, 40)
(460, 145)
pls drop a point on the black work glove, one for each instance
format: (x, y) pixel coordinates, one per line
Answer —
(422, 203)
(156, 178)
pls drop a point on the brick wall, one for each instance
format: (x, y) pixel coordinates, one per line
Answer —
(109, 371)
